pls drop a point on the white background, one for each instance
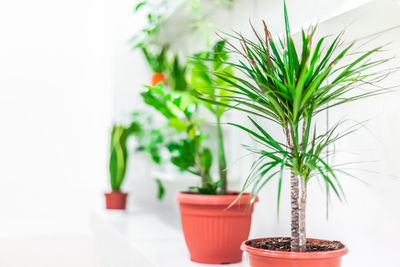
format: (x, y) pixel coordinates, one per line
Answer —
(66, 70)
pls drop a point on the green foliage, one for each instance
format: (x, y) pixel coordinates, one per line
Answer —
(205, 70)
(146, 39)
(156, 57)
(210, 188)
(177, 77)
(183, 154)
(155, 10)
(290, 87)
(204, 79)
(178, 106)
(160, 189)
(119, 153)
(154, 145)
(149, 138)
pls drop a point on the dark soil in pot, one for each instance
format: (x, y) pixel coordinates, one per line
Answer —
(230, 193)
(283, 244)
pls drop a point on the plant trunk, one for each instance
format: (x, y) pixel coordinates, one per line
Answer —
(298, 195)
(295, 212)
(302, 222)
(298, 213)
(221, 158)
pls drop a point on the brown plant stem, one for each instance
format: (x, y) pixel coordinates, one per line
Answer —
(298, 198)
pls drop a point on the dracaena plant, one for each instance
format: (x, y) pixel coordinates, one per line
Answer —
(290, 84)
(203, 67)
(179, 106)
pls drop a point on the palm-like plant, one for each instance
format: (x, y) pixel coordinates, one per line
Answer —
(289, 88)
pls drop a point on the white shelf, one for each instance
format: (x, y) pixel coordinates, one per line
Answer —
(140, 238)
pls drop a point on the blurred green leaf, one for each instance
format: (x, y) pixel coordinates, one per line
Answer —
(140, 4)
(178, 124)
(160, 189)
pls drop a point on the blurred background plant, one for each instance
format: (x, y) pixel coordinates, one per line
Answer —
(203, 67)
(178, 106)
(200, 23)
(149, 139)
(119, 153)
(147, 39)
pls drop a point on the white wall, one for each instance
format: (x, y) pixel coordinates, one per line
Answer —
(55, 112)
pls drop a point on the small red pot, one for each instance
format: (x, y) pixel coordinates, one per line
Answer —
(213, 233)
(157, 78)
(116, 200)
(261, 257)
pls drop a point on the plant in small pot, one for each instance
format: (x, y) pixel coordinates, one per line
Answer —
(156, 57)
(290, 88)
(212, 232)
(116, 199)
(147, 39)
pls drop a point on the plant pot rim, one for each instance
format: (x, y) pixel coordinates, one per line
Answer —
(199, 199)
(117, 192)
(293, 255)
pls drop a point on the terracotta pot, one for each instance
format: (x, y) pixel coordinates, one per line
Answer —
(157, 78)
(261, 257)
(116, 200)
(213, 233)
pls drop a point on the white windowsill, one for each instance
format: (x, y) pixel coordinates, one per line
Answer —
(140, 238)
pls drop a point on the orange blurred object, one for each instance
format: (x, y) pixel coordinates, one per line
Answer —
(157, 78)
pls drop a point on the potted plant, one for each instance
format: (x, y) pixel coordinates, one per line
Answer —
(212, 232)
(290, 88)
(146, 39)
(116, 199)
(156, 58)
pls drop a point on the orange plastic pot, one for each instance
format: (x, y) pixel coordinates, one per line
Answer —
(157, 78)
(213, 233)
(261, 257)
(116, 200)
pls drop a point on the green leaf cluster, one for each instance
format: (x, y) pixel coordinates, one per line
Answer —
(178, 105)
(156, 57)
(150, 139)
(155, 14)
(206, 70)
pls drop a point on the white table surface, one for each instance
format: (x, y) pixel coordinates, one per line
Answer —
(140, 238)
